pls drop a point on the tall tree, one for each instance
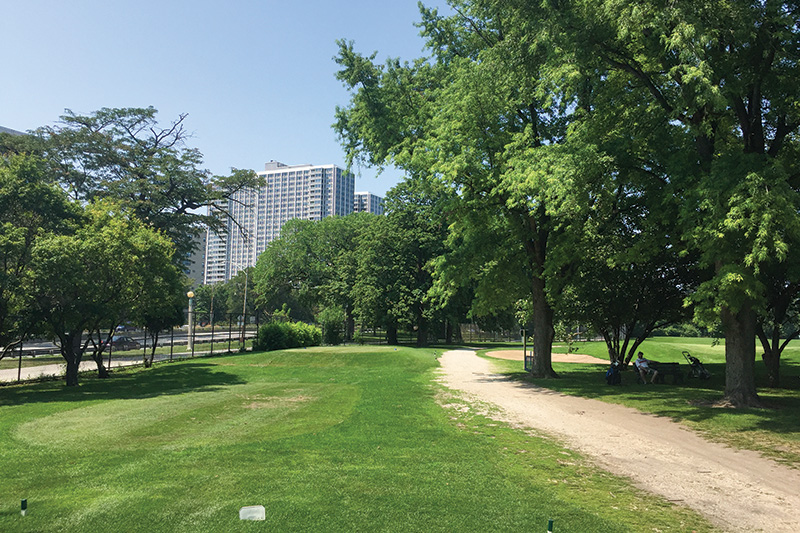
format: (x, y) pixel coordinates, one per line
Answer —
(394, 281)
(475, 116)
(537, 107)
(722, 78)
(90, 279)
(314, 262)
(31, 207)
(125, 155)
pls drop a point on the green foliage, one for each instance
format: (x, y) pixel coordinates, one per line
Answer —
(281, 334)
(716, 82)
(111, 267)
(332, 321)
(605, 127)
(214, 299)
(31, 207)
(312, 265)
(394, 282)
(125, 155)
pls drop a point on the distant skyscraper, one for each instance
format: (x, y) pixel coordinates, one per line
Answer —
(366, 202)
(194, 264)
(308, 192)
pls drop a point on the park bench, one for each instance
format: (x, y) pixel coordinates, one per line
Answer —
(664, 369)
(668, 369)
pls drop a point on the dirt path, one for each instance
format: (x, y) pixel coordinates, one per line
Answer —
(736, 490)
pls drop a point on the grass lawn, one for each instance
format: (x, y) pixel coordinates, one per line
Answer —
(327, 439)
(10, 361)
(773, 431)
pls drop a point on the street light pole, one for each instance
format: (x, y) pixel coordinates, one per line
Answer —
(190, 343)
(244, 308)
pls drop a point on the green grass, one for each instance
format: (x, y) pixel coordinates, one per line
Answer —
(10, 361)
(773, 430)
(327, 439)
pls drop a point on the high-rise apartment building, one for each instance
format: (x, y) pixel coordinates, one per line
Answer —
(366, 202)
(309, 192)
(194, 263)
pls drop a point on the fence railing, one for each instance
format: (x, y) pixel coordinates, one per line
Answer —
(200, 336)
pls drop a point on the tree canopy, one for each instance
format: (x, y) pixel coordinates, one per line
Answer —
(125, 154)
(562, 119)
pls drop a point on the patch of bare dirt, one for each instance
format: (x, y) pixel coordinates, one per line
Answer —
(266, 402)
(738, 490)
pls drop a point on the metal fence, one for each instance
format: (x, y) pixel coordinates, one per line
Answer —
(199, 336)
(39, 358)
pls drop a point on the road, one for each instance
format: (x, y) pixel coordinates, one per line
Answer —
(178, 341)
(41, 347)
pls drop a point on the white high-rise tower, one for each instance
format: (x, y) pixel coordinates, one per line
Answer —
(309, 192)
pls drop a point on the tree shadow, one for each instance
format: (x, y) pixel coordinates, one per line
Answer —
(162, 380)
(694, 400)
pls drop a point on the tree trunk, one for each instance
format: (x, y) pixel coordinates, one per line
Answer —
(73, 363)
(772, 360)
(612, 350)
(391, 334)
(740, 357)
(148, 359)
(422, 331)
(772, 353)
(71, 352)
(102, 371)
(451, 332)
(350, 325)
(543, 333)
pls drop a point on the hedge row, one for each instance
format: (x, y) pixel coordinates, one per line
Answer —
(281, 335)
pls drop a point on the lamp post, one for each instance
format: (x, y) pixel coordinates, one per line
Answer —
(190, 343)
(244, 309)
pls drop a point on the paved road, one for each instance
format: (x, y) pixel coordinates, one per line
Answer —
(179, 338)
(36, 372)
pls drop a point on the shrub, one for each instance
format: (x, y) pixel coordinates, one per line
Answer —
(332, 320)
(280, 335)
(358, 337)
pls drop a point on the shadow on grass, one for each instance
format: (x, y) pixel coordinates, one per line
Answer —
(693, 400)
(157, 381)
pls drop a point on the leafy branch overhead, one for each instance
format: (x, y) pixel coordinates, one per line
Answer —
(124, 154)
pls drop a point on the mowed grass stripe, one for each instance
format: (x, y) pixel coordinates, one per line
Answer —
(346, 439)
(239, 413)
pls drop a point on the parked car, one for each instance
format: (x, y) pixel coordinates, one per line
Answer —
(122, 343)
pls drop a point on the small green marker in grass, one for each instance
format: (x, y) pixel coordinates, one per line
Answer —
(549, 526)
(24, 507)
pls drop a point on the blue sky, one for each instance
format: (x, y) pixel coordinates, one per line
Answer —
(255, 77)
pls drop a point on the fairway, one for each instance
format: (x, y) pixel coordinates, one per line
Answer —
(327, 439)
(243, 414)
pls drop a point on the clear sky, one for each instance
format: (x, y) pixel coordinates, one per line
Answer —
(257, 78)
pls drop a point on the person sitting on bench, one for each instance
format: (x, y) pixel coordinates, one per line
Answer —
(643, 367)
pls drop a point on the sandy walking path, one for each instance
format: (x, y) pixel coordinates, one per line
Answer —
(737, 490)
